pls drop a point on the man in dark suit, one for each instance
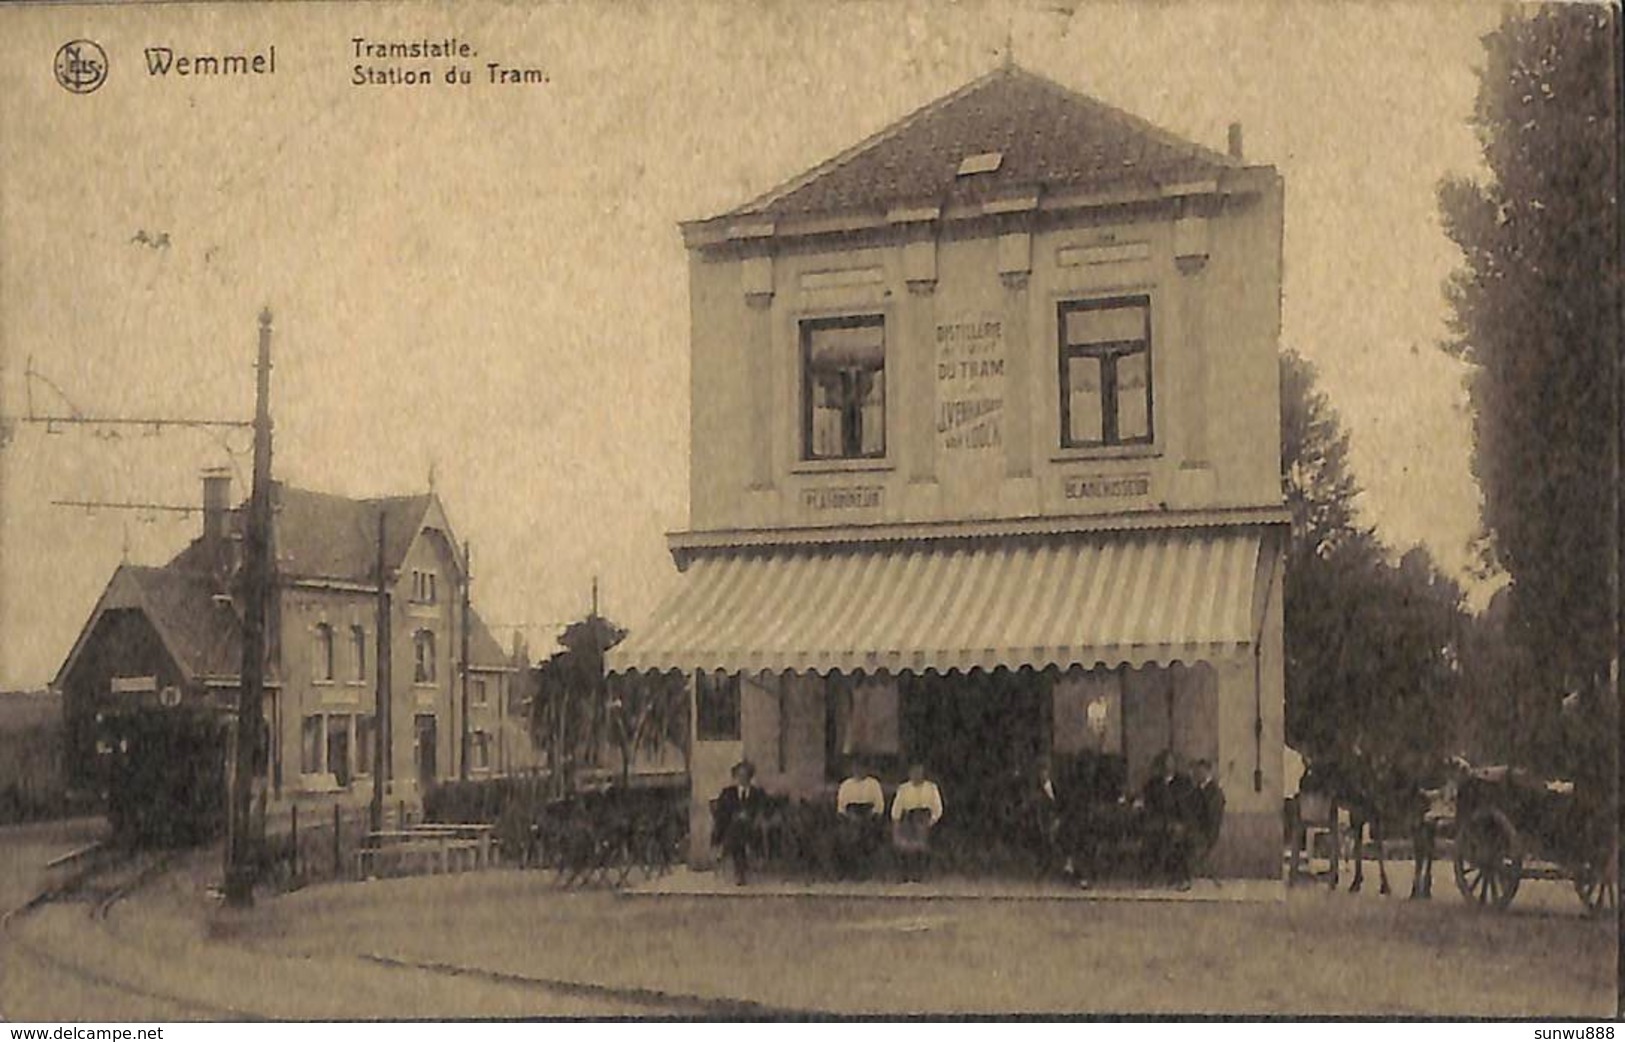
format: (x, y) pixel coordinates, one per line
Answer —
(739, 810)
(1207, 812)
(1166, 802)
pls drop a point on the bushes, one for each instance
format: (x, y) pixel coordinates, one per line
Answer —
(482, 802)
(520, 806)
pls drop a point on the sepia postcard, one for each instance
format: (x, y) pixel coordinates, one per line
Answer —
(764, 511)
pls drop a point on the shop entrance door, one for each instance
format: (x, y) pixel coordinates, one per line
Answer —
(981, 737)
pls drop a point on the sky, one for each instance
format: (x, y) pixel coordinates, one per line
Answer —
(487, 283)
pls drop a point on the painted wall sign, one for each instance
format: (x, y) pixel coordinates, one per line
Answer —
(1099, 486)
(855, 497)
(1105, 253)
(970, 383)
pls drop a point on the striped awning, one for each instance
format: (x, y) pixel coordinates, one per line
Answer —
(1083, 599)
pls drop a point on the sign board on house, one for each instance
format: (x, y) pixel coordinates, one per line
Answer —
(970, 383)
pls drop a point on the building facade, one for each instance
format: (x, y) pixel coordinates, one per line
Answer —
(169, 639)
(985, 461)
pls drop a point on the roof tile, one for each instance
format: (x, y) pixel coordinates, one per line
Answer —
(1049, 136)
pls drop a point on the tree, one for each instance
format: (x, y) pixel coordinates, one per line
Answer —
(1372, 648)
(1329, 560)
(570, 711)
(1536, 313)
(1316, 480)
(648, 713)
(579, 712)
(1499, 689)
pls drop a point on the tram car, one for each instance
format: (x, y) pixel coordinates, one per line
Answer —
(162, 774)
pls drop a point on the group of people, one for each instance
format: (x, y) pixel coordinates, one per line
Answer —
(1177, 815)
(1183, 814)
(860, 805)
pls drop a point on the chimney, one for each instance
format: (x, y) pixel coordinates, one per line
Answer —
(1235, 141)
(216, 505)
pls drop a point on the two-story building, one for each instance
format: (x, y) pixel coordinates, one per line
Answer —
(985, 462)
(170, 638)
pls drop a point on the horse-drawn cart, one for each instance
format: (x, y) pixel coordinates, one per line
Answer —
(1512, 825)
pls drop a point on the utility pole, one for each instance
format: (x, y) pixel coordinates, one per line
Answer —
(468, 579)
(381, 741)
(250, 698)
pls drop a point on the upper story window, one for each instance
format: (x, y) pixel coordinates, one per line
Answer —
(843, 388)
(1105, 355)
(479, 696)
(358, 651)
(423, 587)
(423, 666)
(324, 652)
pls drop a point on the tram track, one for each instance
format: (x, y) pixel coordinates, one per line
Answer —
(99, 877)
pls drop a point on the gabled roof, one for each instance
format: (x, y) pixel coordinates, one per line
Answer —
(201, 632)
(318, 535)
(1045, 135)
(204, 632)
(483, 650)
(322, 536)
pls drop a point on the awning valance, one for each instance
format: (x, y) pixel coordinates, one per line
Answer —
(1084, 599)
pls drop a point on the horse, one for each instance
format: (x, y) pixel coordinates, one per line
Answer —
(1388, 803)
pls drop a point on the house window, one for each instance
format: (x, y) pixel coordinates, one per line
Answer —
(365, 739)
(358, 650)
(423, 587)
(480, 750)
(423, 657)
(338, 748)
(716, 705)
(1105, 354)
(843, 364)
(324, 651)
(312, 745)
(478, 696)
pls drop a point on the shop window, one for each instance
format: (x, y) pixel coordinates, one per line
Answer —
(311, 745)
(1105, 358)
(844, 388)
(716, 707)
(358, 651)
(324, 651)
(366, 740)
(1089, 711)
(866, 713)
(423, 657)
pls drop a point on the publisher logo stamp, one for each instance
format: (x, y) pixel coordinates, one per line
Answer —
(81, 66)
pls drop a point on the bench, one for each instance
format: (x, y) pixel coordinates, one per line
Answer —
(435, 848)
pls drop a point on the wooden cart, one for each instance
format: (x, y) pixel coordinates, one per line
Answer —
(1512, 825)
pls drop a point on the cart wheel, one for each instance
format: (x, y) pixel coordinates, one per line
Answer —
(1488, 864)
(1598, 884)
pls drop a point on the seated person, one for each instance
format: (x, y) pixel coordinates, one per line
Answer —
(860, 803)
(915, 811)
(1164, 802)
(1046, 818)
(740, 808)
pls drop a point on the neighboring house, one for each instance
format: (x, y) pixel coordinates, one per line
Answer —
(171, 637)
(984, 463)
